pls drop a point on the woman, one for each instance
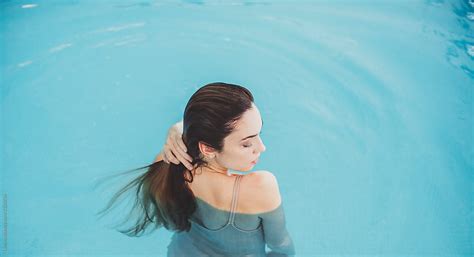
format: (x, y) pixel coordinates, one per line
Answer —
(190, 188)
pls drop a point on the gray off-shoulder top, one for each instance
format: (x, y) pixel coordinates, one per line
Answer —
(216, 232)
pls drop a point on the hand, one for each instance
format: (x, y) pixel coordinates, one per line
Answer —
(174, 149)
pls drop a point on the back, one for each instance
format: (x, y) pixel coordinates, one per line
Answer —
(216, 230)
(258, 191)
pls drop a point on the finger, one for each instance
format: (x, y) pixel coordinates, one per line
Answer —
(171, 157)
(181, 148)
(179, 153)
(181, 144)
(185, 162)
(188, 165)
(183, 157)
(165, 158)
(188, 157)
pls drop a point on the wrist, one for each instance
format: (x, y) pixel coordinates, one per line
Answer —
(179, 125)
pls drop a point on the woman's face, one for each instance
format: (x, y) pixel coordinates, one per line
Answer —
(243, 146)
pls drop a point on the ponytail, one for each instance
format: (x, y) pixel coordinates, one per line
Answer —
(162, 197)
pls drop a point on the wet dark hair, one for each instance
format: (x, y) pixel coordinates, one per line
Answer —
(162, 195)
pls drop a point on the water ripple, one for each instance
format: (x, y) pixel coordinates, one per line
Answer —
(60, 47)
(28, 6)
(123, 27)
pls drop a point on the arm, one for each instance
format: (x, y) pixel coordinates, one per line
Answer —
(275, 233)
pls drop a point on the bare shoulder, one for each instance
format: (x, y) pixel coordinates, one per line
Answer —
(263, 191)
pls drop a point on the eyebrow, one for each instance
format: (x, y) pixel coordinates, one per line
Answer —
(251, 135)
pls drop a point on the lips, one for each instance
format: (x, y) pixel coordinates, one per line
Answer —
(255, 162)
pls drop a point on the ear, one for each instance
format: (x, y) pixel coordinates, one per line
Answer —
(206, 150)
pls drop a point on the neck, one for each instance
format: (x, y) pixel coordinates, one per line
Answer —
(215, 169)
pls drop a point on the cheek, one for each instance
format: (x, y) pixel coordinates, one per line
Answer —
(239, 159)
(245, 152)
(238, 156)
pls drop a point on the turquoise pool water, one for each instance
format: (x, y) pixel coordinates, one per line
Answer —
(368, 111)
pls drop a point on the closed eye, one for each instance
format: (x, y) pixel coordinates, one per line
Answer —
(249, 145)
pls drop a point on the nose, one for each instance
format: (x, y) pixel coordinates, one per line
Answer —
(262, 147)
